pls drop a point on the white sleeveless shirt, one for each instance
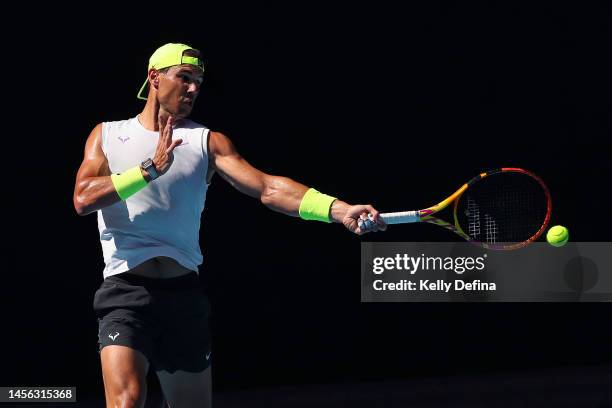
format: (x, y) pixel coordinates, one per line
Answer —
(162, 219)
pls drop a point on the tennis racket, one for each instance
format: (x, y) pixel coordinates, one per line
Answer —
(505, 208)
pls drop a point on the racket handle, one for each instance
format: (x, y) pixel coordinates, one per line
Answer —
(402, 217)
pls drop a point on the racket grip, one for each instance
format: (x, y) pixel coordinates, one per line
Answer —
(402, 217)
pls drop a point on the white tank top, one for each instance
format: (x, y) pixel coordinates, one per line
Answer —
(163, 219)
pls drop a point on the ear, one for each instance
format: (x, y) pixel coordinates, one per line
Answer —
(154, 78)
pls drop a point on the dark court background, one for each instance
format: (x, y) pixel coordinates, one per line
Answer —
(374, 104)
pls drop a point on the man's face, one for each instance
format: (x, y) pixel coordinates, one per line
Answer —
(178, 89)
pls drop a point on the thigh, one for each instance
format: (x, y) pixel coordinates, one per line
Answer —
(124, 371)
(126, 335)
(185, 390)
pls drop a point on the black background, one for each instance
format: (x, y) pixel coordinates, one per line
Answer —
(395, 107)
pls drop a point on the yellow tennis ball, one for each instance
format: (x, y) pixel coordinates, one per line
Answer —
(557, 236)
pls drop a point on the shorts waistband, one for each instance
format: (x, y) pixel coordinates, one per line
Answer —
(187, 281)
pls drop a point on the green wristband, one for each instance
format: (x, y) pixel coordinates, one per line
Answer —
(129, 182)
(315, 206)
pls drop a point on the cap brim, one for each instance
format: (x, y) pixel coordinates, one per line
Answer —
(142, 88)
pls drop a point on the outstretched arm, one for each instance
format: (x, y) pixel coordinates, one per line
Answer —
(280, 194)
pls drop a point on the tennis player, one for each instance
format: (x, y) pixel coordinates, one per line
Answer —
(147, 178)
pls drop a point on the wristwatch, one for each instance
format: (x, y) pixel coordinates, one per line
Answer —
(149, 167)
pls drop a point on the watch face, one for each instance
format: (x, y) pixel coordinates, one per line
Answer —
(149, 167)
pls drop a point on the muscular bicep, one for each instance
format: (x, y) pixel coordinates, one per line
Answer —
(234, 168)
(94, 162)
(94, 188)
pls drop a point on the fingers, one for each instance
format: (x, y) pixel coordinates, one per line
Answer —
(162, 121)
(174, 143)
(364, 224)
(165, 125)
(374, 215)
(167, 131)
(368, 219)
(163, 154)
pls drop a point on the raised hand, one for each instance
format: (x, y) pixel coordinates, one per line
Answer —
(164, 155)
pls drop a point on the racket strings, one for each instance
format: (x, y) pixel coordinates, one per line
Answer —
(505, 207)
(473, 214)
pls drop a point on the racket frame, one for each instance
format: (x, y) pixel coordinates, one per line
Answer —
(426, 215)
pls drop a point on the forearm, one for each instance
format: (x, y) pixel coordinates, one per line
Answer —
(94, 193)
(283, 195)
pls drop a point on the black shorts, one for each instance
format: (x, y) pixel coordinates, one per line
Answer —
(165, 319)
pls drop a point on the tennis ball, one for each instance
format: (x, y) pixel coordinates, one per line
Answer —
(557, 236)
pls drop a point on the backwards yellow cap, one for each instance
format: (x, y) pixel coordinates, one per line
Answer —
(168, 55)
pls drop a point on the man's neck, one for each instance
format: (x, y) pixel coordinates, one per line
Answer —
(151, 115)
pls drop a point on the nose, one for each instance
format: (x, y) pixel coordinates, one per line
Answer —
(194, 87)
